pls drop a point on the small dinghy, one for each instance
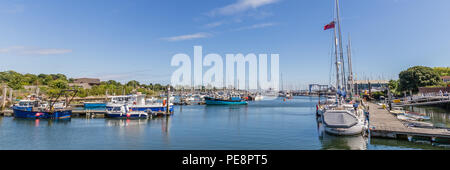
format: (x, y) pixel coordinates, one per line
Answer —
(419, 124)
(417, 117)
(405, 118)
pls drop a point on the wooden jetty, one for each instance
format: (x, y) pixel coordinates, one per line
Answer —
(383, 124)
(6, 112)
(424, 101)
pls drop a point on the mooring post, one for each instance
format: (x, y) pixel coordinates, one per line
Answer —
(4, 97)
(11, 95)
(168, 100)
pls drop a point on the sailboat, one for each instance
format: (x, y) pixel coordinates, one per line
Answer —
(341, 118)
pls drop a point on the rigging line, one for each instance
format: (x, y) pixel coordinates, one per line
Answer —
(333, 16)
(331, 61)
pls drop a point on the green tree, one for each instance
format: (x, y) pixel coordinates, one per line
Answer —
(418, 76)
(393, 86)
(59, 84)
(442, 71)
(133, 83)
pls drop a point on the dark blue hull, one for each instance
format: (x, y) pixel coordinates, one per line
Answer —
(64, 114)
(153, 109)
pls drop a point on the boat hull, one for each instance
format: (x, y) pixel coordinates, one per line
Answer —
(151, 108)
(64, 114)
(354, 130)
(94, 106)
(343, 123)
(212, 101)
(127, 115)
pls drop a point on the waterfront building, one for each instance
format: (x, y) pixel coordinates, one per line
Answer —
(85, 83)
(371, 85)
(445, 79)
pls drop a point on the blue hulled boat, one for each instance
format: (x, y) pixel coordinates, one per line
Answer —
(229, 101)
(61, 114)
(31, 109)
(153, 108)
(36, 110)
(94, 105)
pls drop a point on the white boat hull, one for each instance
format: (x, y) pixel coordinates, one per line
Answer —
(354, 130)
(343, 122)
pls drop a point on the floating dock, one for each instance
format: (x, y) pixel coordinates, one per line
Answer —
(383, 124)
(6, 112)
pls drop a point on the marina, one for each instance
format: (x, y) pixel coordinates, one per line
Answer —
(238, 75)
(293, 126)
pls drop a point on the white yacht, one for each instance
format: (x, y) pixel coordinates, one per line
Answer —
(341, 118)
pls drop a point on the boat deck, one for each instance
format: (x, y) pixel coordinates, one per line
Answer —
(386, 125)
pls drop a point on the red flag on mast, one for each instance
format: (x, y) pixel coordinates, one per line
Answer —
(329, 26)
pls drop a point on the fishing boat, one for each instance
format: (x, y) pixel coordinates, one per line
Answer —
(35, 110)
(232, 100)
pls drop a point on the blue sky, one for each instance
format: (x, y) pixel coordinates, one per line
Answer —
(136, 39)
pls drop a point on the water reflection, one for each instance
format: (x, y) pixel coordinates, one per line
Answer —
(438, 116)
(41, 122)
(126, 122)
(332, 142)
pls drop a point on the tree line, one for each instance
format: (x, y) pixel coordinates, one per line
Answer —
(51, 84)
(419, 76)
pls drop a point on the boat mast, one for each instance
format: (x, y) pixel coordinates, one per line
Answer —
(341, 53)
(350, 70)
(338, 86)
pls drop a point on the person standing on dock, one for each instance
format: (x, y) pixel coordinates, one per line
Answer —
(355, 106)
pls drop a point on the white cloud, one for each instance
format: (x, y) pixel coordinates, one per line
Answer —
(263, 25)
(241, 6)
(48, 51)
(22, 50)
(188, 37)
(214, 24)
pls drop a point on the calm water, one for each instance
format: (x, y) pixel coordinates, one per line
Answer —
(289, 125)
(438, 115)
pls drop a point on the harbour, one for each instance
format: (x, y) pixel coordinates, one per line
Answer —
(264, 78)
(271, 125)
